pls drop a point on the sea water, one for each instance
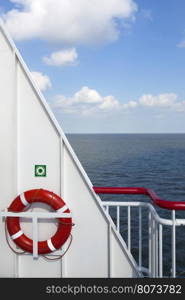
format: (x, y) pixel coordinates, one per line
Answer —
(155, 161)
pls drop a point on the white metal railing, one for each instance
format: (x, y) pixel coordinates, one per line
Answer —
(155, 235)
(156, 224)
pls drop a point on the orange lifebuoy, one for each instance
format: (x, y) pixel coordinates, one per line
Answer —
(64, 225)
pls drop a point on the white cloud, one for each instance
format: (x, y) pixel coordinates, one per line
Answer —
(42, 81)
(69, 21)
(63, 57)
(88, 102)
(167, 102)
(162, 100)
(109, 102)
(86, 95)
(130, 104)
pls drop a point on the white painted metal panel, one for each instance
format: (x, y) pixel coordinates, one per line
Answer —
(34, 268)
(39, 142)
(118, 259)
(88, 257)
(30, 135)
(7, 149)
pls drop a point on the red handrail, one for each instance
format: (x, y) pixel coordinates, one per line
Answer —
(176, 205)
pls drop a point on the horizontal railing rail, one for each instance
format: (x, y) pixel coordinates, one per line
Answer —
(171, 205)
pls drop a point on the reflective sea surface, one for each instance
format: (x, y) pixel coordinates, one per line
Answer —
(155, 161)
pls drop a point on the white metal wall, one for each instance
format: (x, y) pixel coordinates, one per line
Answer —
(30, 135)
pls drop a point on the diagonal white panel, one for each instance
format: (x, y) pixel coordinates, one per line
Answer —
(30, 135)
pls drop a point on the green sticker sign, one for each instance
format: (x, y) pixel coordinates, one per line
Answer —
(40, 170)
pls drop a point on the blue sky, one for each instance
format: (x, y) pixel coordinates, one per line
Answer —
(105, 66)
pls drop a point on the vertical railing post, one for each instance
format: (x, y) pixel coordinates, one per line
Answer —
(129, 230)
(156, 250)
(153, 247)
(109, 243)
(173, 245)
(140, 237)
(160, 251)
(149, 244)
(109, 251)
(118, 219)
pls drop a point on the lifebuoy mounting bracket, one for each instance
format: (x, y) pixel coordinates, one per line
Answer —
(21, 203)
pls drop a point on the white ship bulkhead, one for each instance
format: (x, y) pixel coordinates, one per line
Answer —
(30, 136)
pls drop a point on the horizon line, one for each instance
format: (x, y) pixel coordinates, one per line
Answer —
(124, 132)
